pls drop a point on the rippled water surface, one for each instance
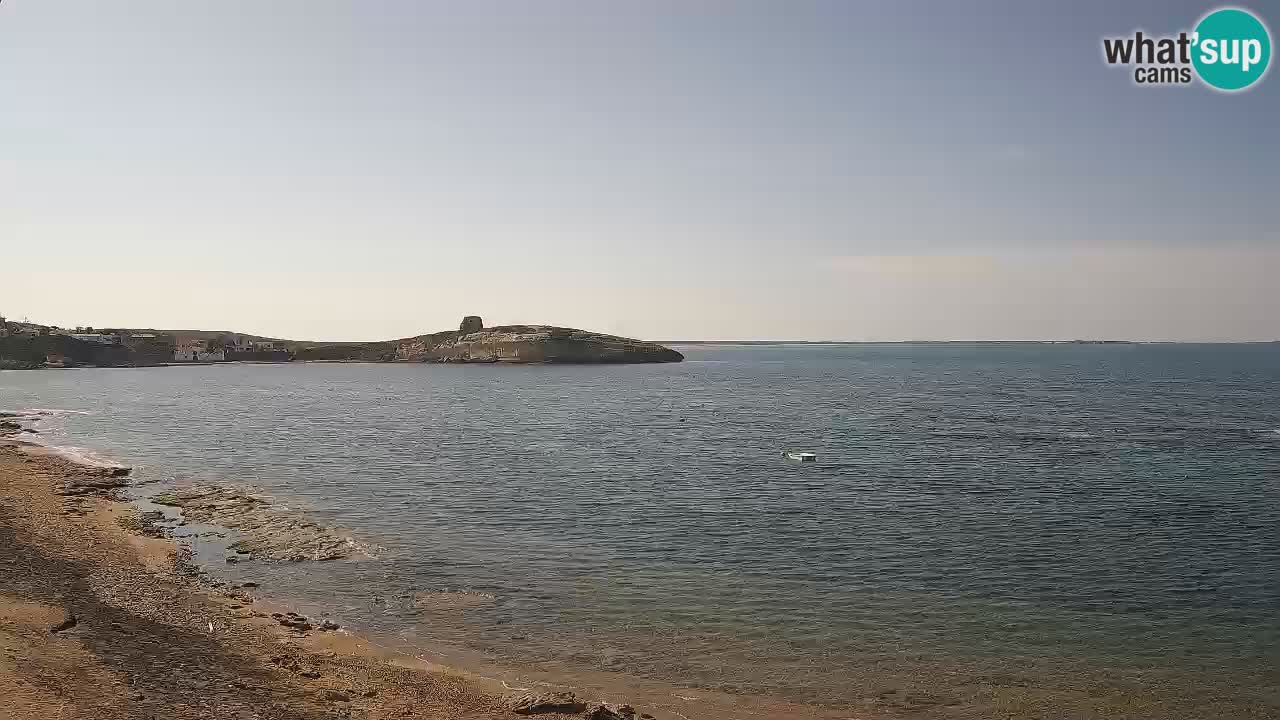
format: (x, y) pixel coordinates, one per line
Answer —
(1083, 530)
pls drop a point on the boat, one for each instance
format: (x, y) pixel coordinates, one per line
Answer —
(801, 456)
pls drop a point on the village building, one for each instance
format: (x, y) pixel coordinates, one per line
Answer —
(239, 343)
(97, 338)
(195, 350)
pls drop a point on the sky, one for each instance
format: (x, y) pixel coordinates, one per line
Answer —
(373, 169)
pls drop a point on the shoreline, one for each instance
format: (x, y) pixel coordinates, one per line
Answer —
(161, 638)
(102, 621)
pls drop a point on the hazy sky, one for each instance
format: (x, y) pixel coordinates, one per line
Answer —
(669, 170)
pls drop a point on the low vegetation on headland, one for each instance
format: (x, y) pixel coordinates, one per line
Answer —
(28, 345)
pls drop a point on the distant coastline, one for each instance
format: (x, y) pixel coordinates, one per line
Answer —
(25, 345)
(31, 346)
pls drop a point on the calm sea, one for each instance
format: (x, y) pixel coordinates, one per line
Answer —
(1039, 531)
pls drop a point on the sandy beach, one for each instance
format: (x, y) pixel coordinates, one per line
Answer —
(100, 621)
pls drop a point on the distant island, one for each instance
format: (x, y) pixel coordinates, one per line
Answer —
(29, 345)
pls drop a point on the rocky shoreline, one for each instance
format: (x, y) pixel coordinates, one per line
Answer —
(105, 614)
(102, 615)
(267, 531)
(474, 343)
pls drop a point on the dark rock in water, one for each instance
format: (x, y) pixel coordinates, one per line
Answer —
(249, 585)
(329, 625)
(335, 696)
(544, 703)
(268, 532)
(120, 471)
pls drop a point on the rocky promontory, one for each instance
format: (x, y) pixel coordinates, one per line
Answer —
(49, 346)
(474, 343)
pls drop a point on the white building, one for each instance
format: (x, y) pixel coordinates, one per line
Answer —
(239, 343)
(95, 338)
(196, 350)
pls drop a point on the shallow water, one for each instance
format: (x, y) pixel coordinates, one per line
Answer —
(1073, 531)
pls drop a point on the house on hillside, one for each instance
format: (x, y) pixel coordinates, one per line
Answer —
(95, 338)
(196, 350)
(198, 355)
(240, 343)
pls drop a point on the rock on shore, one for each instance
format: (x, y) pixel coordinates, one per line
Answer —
(268, 531)
(473, 343)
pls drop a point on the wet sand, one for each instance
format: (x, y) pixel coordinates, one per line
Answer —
(102, 616)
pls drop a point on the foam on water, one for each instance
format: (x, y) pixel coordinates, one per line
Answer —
(50, 434)
(76, 454)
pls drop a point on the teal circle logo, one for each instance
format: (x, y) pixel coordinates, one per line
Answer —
(1231, 49)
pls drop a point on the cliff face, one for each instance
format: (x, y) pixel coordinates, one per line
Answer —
(532, 344)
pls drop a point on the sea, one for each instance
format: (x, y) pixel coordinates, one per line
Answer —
(989, 530)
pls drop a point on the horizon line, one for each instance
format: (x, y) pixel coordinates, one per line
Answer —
(772, 341)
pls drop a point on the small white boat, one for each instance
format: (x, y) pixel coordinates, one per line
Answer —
(801, 456)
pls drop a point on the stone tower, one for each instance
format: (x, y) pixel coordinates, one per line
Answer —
(470, 324)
